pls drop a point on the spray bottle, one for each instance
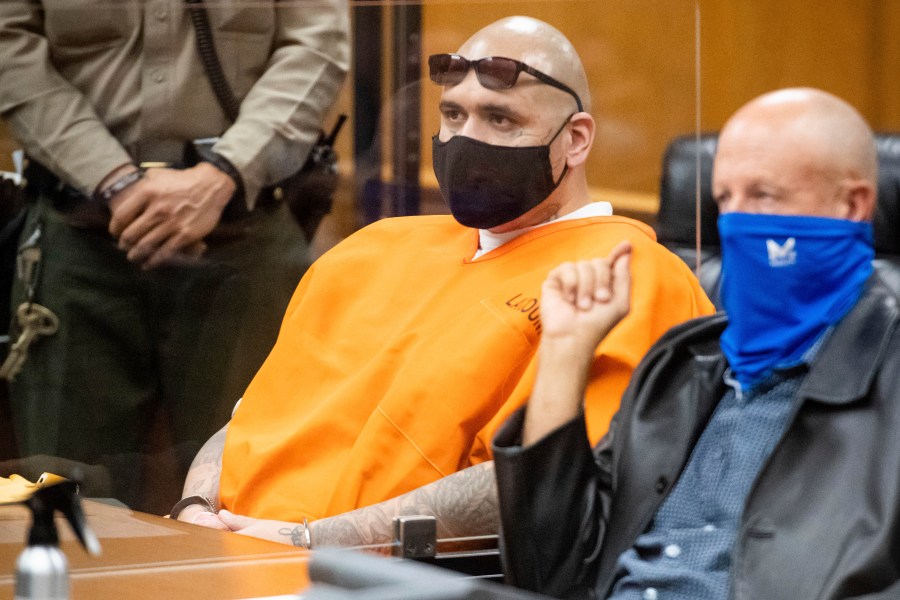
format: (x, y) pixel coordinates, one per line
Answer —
(42, 571)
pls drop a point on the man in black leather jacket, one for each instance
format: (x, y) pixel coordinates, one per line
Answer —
(752, 458)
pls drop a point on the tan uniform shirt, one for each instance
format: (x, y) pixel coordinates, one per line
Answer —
(89, 85)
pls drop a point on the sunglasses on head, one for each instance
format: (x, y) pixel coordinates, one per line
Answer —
(493, 72)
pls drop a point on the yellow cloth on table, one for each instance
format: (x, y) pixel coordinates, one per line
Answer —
(18, 489)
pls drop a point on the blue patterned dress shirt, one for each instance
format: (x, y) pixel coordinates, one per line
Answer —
(685, 554)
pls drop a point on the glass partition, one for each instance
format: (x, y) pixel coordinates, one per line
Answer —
(87, 82)
(643, 93)
(139, 364)
(143, 362)
(159, 245)
(126, 76)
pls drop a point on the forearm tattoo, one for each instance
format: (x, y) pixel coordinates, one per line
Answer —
(206, 469)
(464, 503)
(296, 534)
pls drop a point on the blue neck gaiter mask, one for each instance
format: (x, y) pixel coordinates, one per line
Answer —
(785, 280)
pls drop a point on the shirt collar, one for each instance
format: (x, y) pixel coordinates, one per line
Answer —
(488, 241)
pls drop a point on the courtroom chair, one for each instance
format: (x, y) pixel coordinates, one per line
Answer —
(887, 217)
(676, 220)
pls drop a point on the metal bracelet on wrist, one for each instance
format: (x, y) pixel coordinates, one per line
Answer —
(307, 537)
(120, 184)
(299, 534)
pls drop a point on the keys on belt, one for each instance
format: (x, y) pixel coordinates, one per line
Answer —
(34, 321)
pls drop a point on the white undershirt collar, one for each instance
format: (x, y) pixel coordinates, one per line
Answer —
(488, 241)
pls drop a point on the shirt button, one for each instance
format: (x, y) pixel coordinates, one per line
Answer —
(161, 13)
(672, 551)
(661, 484)
(709, 527)
(159, 76)
(650, 594)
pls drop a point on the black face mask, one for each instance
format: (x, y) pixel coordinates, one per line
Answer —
(487, 185)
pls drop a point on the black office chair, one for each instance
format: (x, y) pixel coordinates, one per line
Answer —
(887, 217)
(676, 219)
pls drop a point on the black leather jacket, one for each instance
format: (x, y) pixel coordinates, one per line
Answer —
(822, 520)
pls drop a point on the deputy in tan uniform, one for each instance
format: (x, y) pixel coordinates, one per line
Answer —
(169, 283)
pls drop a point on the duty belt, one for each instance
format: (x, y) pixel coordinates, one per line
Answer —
(67, 198)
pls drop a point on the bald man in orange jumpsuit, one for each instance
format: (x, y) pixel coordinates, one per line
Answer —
(406, 346)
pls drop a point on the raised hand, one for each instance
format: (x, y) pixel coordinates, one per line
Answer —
(584, 300)
(580, 304)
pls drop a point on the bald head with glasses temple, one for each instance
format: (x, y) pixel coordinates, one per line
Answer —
(515, 128)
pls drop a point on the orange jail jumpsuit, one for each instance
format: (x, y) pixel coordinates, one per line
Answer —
(399, 356)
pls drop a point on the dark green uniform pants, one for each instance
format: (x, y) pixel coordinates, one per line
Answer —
(146, 365)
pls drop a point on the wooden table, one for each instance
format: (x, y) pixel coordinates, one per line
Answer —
(148, 557)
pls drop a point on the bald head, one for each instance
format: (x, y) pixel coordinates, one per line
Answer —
(533, 112)
(826, 126)
(534, 43)
(813, 152)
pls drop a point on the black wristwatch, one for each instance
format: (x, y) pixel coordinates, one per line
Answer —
(237, 204)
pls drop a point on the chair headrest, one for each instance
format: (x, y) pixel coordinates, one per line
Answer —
(676, 220)
(887, 216)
